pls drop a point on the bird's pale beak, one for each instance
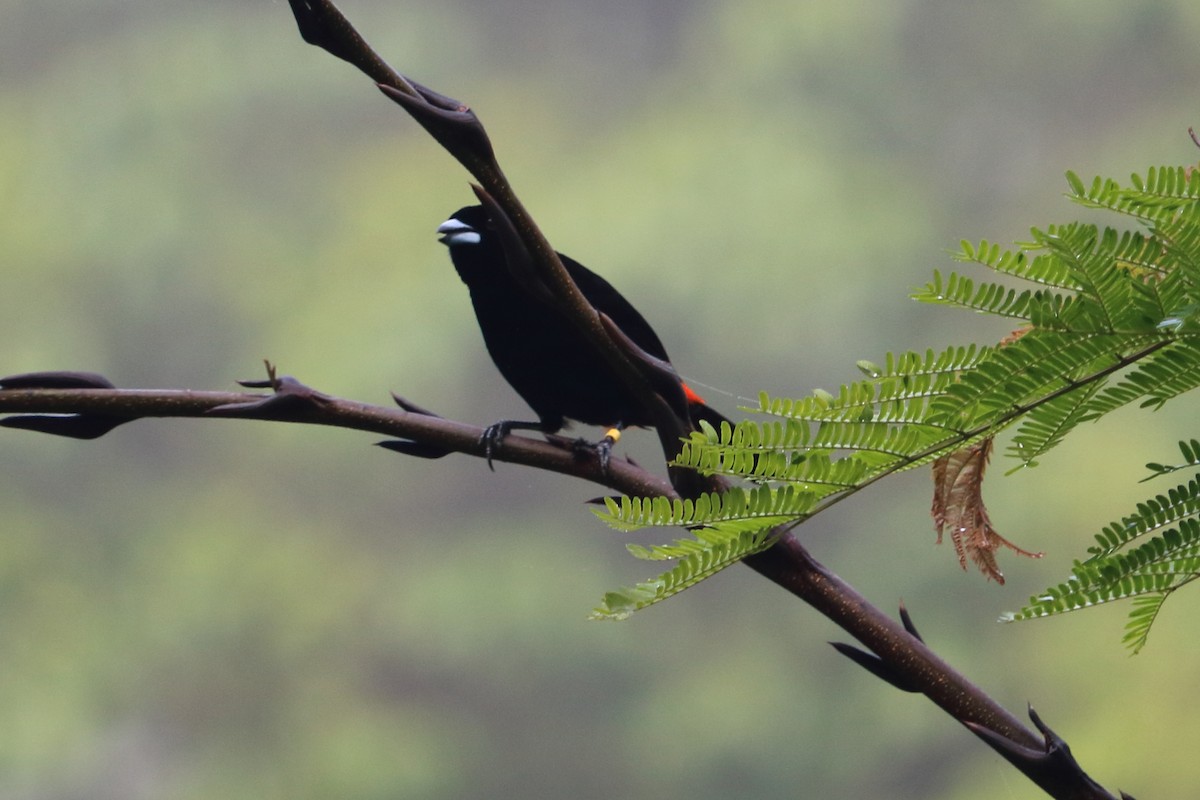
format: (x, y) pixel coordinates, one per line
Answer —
(455, 232)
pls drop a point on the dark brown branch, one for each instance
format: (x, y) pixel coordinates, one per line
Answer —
(903, 659)
(907, 661)
(555, 454)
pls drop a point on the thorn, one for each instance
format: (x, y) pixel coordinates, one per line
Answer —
(877, 666)
(291, 398)
(1053, 740)
(874, 665)
(1053, 764)
(410, 448)
(73, 426)
(413, 408)
(56, 380)
(451, 123)
(1005, 746)
(272, 382)
(908, 623)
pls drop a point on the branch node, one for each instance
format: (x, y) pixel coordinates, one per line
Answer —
(291, 399)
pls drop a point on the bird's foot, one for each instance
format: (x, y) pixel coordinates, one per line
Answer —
(492, 436)
(603, 448)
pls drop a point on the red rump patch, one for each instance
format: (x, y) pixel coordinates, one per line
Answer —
(691, 396)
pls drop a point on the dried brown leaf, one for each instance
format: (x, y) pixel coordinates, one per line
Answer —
(958, 507)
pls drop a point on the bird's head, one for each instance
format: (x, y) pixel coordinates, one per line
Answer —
(465, 227)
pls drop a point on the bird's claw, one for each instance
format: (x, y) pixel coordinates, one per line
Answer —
(602, 449)
(492, 436)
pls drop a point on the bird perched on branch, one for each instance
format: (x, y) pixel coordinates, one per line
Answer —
(542, 353)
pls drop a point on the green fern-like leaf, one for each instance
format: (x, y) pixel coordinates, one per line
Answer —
(1041, 269)
(763, 505)
(1141, 618)
(1153, 199)
(1126, 564)
(1191, 458)
(991, 298)
(1036, 365)
(1171, 369)
(1104, 318)
(1166, 189)
(1048, 424)
(1179, 506)
(720, 548)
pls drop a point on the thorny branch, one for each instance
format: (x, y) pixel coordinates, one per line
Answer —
(85, 406)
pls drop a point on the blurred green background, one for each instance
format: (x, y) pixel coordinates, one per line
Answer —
(228, 610)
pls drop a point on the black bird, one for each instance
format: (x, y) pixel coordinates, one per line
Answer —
(540, 352)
